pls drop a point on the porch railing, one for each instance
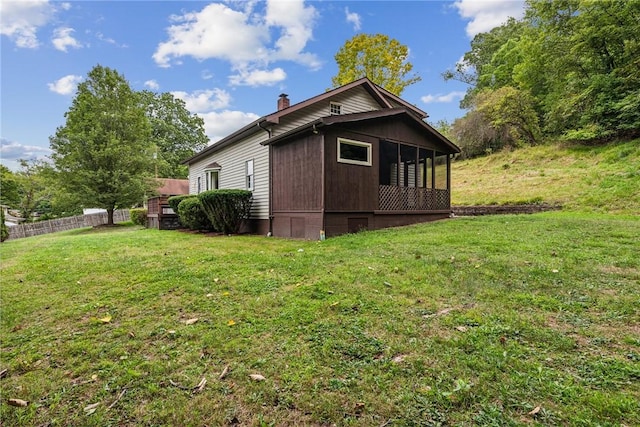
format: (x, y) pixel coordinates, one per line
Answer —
(393, 198)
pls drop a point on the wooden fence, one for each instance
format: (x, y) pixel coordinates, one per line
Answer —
(62, 224)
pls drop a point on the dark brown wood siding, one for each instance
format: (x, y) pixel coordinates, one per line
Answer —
(297, 175)
(350, 187)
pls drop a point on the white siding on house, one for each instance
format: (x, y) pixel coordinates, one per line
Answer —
(232, 161)
(356, 100)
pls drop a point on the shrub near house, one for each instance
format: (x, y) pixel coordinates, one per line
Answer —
(226, 209)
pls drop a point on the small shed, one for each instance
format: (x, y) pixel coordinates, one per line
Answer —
(159, 213)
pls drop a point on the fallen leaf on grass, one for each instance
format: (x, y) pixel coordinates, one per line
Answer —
(534, 410)
(200, 386)
(191, 321)
(90, 409)
(461, 328)
(231, 322)
(398, 359)
(18, 402)
(3, 373)
(105, 319)
(224, 373)
(257, 377)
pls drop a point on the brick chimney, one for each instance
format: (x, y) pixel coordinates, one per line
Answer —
(283, 102)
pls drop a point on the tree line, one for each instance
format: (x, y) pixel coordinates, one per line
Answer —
(569, 70)
(114, 143)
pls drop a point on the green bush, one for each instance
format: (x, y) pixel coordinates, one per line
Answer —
(138, 216)
(174, 201)
(226, 209)
(192, 215)
(4, 231)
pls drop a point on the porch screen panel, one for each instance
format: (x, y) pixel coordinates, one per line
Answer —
(441, 171)
(424, 158)
(408, 157)
(388, 163)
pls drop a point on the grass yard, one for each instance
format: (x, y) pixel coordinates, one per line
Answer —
(504, 321)
(583, 178)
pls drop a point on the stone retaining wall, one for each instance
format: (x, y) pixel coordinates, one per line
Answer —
(503, 209)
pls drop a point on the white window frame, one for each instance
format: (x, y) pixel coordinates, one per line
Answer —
(335, 108)
(208, 174)
(249, 169)
(356, 143)
(199, 185)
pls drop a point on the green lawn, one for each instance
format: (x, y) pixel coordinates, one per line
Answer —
(581, 178)
(504, 320)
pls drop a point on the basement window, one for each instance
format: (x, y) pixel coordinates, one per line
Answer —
(354, 152)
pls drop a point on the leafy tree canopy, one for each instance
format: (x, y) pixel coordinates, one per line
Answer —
(103, 153)
(376, 56)
(176, 133)
(9, 188)
(574, 63)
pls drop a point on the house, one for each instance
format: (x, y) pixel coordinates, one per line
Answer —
(159, 213)
(356, 157)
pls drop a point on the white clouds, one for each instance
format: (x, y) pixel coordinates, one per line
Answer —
(442, 98)
(11, 150)
(353, 18)
(204, 100)
(152, 84)
(20, 21)
(243, 38)
(295, 21)
(65, 85)
(488, 14)
(258, 77)
(109, 40)
(215, 32)
(217, 125)
(62, 39)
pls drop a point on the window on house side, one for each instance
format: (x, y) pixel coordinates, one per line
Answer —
(354, 152)
(335, 109)
(249, 168)
(212, 179)
(199, 185)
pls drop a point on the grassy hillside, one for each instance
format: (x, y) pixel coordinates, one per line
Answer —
(600, 179)
(503, 320)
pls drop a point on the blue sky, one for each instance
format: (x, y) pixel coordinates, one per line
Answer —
(228, 60)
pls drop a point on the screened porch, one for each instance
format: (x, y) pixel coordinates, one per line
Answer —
(413, 178)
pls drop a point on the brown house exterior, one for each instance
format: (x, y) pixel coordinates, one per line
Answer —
(313, 189)
(353, 158)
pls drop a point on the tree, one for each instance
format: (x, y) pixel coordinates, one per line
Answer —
(33, 187)
(9, 187)
(376, 56)
(176, 132)
(103, 153)
(577, 61)
(511, 110)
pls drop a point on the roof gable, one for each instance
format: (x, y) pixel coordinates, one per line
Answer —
(384, 98)
(362, 117)
(380, 95)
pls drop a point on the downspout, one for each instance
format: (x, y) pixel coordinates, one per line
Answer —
(323, 230)
(268, 131)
